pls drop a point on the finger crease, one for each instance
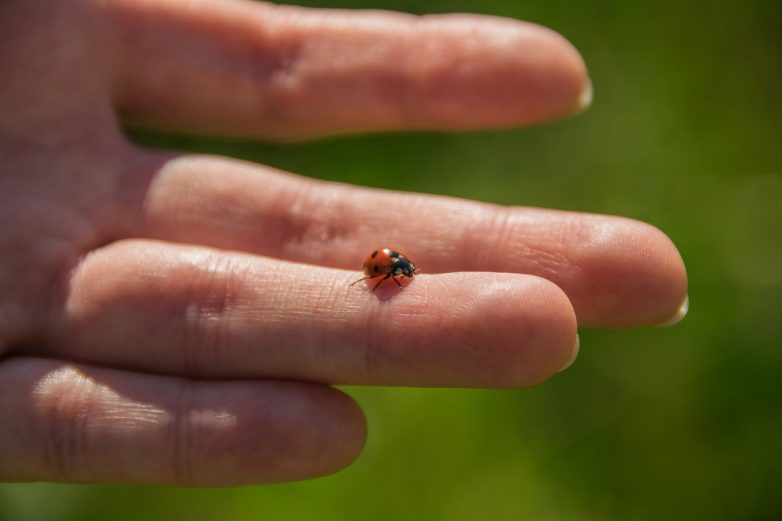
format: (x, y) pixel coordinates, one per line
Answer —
(206, 316)
(65, 396)
(181, 435)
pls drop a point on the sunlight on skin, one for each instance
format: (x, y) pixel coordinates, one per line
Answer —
(178, 319)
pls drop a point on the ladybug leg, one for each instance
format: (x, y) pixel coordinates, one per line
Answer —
(397, 282)
(380, 282)
(359, 280)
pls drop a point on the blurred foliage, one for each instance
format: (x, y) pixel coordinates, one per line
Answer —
(678, 423)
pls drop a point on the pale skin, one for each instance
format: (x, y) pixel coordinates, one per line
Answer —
(175, 318)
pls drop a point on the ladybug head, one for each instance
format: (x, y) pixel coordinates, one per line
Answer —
(404, 267)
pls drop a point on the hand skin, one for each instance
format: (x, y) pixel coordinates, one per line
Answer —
(170, 318)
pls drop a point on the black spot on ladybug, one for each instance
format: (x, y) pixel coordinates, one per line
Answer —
(391, 266)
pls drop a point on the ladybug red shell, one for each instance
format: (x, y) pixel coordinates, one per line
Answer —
(388, 264)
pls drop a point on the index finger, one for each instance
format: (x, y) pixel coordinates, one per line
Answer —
(258, 70)
(179, 309)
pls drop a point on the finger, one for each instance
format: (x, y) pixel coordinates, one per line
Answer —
(254, 69)
(78, 423)
(615, 271)
(194, 311)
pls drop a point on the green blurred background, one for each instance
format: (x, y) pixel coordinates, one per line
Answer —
(678, 423)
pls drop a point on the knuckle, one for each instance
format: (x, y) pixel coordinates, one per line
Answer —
(209, 297)
(64, 399)
(181, 436)
(314, 220)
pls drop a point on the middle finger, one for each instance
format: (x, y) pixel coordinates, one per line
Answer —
(615, 271)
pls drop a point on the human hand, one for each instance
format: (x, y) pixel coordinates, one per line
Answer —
(169, 318)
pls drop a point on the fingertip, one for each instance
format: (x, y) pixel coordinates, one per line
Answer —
(563, 74)
(510, 72)
(347, 431)
(632, 275)
(552, 340)
(284, 431)
(667, 277)
(513, 330)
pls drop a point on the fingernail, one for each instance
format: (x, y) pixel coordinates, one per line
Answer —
(680, 314)
(585, 100)
(573, 355)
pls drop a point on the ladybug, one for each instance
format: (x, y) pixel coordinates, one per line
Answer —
(388, 264)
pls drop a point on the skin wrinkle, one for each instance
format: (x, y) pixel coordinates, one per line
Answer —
(277, 324)
(549, 256)
(59, 399)
(491, 224)
(436, 229)
(325, 63)
(278, 217)
(377, 354)
(283, 84)
(282, 75)
(338, 321)
(336, 342)
(209, 304)
(180, 435)
(417, 227)
(67, 396)
(187, 208)
(224, 321)
(314, 222)
(234, 61)
(248, 60)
